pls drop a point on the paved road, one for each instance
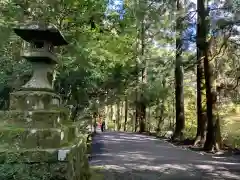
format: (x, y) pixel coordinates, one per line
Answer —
(128, 156)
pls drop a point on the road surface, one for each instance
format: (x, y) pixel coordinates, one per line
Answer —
(129, 156)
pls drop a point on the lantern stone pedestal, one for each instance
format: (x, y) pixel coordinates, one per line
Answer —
(37, 140)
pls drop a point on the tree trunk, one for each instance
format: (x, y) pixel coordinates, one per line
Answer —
(111, 113)
(137, 81)
(126, 112)
(118, 119)
(122, 119)
(142, 117)
(136, 111)
(180, 120)
(149, 120)
(106, 116)
(211, 96)
(210, 139)
(132, 120)
(95, 121)
(172, 104)
(162, 108)
(142, 105)
(113, 117)
(201, 117)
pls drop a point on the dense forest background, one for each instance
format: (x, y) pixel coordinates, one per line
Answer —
(142, 65)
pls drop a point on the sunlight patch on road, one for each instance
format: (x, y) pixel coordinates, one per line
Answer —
(217, 171)
(221, 163)
(159, 167)
(115, 167)
(205, 167)
(135, 156)
(229, 175)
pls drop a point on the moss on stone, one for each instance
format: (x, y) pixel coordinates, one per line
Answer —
(17, 136)
(30, 141)
(34, 119)
(36, 164)
(33, 138)
(29, 100)
(78, 161)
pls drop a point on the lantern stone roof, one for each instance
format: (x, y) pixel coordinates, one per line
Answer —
(40, 32)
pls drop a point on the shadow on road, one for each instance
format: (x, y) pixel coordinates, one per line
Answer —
(129, 156)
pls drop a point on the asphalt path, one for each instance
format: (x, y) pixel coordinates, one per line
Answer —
(129, 156)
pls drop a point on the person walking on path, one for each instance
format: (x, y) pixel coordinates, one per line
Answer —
(103, 126)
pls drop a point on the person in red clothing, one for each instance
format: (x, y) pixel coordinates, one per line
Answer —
(100, 122)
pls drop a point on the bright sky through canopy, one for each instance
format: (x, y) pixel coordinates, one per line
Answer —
(190, 33)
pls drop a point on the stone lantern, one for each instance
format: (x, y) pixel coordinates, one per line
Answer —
(38, 49)
(37, 138)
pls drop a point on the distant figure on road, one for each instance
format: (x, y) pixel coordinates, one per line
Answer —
(103, 126)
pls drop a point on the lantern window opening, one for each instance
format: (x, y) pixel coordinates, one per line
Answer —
(39, 44)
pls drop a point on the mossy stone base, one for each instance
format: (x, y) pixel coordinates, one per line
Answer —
(32, 100)
(33, 119)
(39, 142)
(38, 164)
(37, 138)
